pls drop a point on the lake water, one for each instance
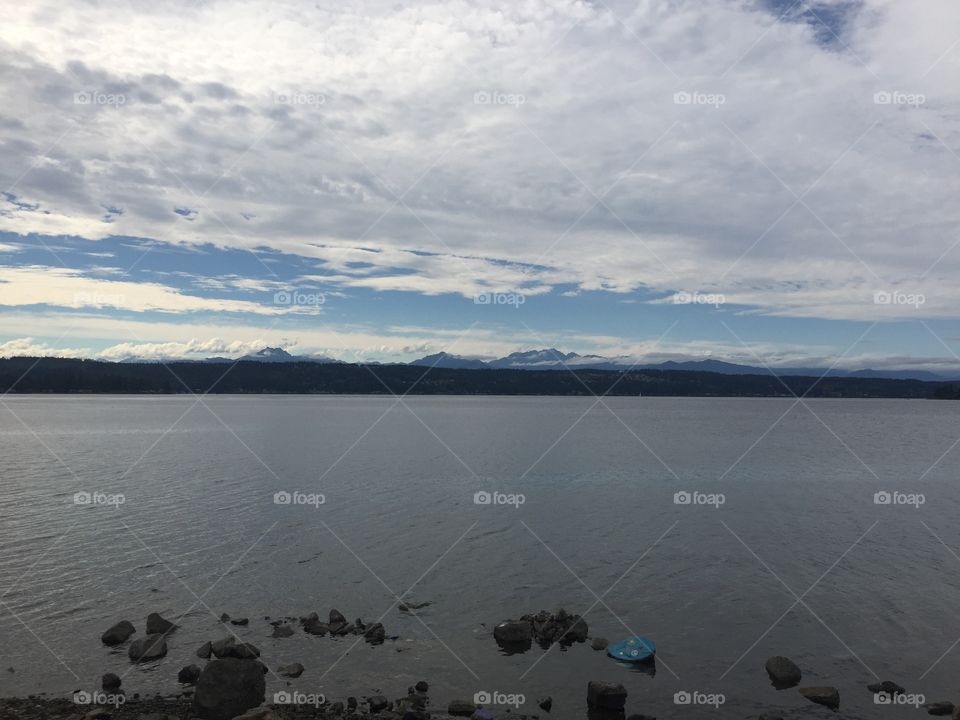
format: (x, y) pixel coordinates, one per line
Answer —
(716, 587)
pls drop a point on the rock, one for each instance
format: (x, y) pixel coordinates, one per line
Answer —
(118, 633)
(576, 631)
(352, 703)
(282, 631)
(421, 686)
(228, 688)
(337, 708)
(336, 618)
(224, 618)
(260, 713)
(375, 634)
(513, 632)
(293, 670)
(240, 621)
(599, 643)
(189, 674)
(378, 703)
(887, 686)
(110, 682)
(150, 647)
(315, 627)
(545, 703)
(606, 695)
(939, 708)
(344, 629)
(461, 708)
(204, 651)
(157, 625)
(783, 672)
(230, 648)
(828, 696)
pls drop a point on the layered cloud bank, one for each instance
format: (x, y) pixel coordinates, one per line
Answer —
(797, 161)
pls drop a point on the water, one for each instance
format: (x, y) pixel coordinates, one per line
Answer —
(716, 588)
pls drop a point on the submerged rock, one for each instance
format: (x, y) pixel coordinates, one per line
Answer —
(110, 682)
(421, 686)
(606, 695)
(157, 625)
(461, 708)
(282, 631)
(599, 643)
(378, 703)
(146, 648)
(545, 703)
(887, 686)
(189, 674)
(783, 672)
(228, 688)
(375, 634)
(118, 633)
(293, 670)
(828, 696)
(513, 633)
(939, 708)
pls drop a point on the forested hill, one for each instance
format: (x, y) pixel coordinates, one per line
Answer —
(55, 375)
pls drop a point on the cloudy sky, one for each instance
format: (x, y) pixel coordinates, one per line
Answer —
(754, 180)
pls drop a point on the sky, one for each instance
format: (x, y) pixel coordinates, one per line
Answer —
(761, 181)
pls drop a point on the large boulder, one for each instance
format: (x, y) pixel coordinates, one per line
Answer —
(513, 633)
(828, 696)
(157, 625)
(227, 688)
(606, 695)
(118, 633)
(146, 648)
(783, 672)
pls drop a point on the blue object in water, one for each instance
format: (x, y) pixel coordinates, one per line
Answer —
(633, 649)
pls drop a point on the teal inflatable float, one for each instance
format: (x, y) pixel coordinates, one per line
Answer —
(633, 649)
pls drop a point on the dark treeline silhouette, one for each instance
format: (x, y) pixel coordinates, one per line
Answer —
(60, 375)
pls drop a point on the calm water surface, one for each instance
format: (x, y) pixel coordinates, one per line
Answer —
(798, 560)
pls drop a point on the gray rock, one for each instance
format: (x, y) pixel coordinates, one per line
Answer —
(939, 708)
(545, 703)
(315, 627)
(599, 643)
(230, 648)
(240, 621)
(375, 634)
(783, 672)
(828, 696)
(293, 670)
(513, 632)
(228, 688)
(461, 708)
(110, 682)
(378, 703)
(421, 686)
(146, 648)
(204, 651)
(189, 674)
(282, 631)
(887, 686)
(157, 625)
(336, 618)
(606, 695)
(118, 633)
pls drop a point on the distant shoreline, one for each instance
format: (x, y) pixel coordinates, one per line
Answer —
(26, 375)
